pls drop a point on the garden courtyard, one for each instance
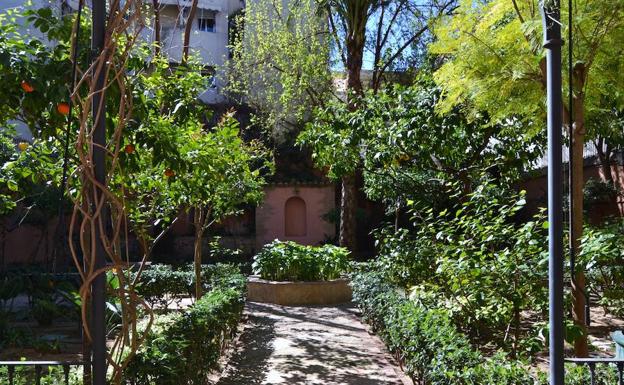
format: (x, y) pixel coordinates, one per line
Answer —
(220, 192)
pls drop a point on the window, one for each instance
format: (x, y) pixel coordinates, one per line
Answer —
(206, 21)
(295, 218)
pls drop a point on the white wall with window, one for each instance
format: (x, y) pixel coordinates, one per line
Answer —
(209, 33)
(206, 20)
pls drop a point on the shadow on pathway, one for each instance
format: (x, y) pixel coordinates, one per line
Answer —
(308, 345)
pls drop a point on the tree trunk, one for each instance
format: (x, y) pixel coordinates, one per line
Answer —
(199, 223)
(187, 31)
(355, 54)
(348, 208)
(516, 342)
(604, 155)
(355, 40)
(578, 142)
(157, 38)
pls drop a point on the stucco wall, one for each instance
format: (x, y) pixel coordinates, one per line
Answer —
(270, 215)
(537, 193)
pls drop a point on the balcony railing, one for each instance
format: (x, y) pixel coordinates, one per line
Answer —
(37, 366)
(591, 364)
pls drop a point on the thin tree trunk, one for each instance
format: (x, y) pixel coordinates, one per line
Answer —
(605, 159)
(348, 208)
(199, 222)
(578, 142)
(514, 351)
(355, 41)
(355, 54)
(187, 31)
(157, 38)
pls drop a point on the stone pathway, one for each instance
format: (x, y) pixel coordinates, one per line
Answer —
(308, 345)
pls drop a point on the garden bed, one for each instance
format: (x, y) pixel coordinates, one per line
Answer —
(330, 292)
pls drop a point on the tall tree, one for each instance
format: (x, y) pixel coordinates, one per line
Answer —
(281, 63)
(495, 63)
(391, 28)
(387, 31)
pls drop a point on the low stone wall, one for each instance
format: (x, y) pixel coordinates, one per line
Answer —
(298, 293)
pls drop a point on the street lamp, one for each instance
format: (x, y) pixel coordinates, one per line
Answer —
(552, 44)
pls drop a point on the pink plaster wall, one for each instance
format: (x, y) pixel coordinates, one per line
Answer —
(270, 221)
(27, 244)
(537, 190)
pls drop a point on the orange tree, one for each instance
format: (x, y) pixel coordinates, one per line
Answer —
(172, 161)
(221, 172)
(35, 67)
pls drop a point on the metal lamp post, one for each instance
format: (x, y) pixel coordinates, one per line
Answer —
(552, 44)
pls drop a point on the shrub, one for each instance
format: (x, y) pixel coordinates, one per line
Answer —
(290, 261)
(425, 340)
(184, 347)
(44, 311)
(602, 256)
(163, 284)
(484, 267)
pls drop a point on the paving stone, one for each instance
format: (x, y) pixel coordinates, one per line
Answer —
(309, 345)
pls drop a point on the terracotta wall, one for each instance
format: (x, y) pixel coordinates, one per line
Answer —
(27, 243)
(271, 218)
(537, 193)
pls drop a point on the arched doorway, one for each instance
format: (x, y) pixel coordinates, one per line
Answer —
(295, 218)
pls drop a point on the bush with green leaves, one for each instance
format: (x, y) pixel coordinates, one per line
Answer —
(290, 261)
(160, 284)
(425, 340)
(184, 347)
(602, 257)
(50, 375)
(476, 261)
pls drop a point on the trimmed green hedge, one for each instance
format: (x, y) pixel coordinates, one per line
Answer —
(162, 284)
(184, 347)
(290, 261)
(426, 342)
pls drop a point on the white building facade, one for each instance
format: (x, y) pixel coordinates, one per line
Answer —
(209, 38)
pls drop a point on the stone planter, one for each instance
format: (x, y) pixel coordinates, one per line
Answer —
(298, 293)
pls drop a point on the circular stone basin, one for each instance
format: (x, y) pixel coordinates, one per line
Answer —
(298, 293)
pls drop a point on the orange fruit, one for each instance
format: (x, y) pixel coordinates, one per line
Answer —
(129, 149)
(23, 146)
(169, 173)
(63, 108)
(27, 87)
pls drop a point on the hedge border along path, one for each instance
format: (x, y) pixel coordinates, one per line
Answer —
(309, 345)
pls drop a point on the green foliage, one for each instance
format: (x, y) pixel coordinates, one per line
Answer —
(410, 152)
(495, 61)
(51, 375)
(44, 311)
(597, 191)
(601, 256)
(425, 339)
(221, 172)
(281, 64)
(335, 139)
(579, 375)
(42, 62)
(183, 348)
(29, 177)
(473, 261)
(160, 285)
(290, 261)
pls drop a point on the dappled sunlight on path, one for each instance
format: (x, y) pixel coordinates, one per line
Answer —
(308, 345)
